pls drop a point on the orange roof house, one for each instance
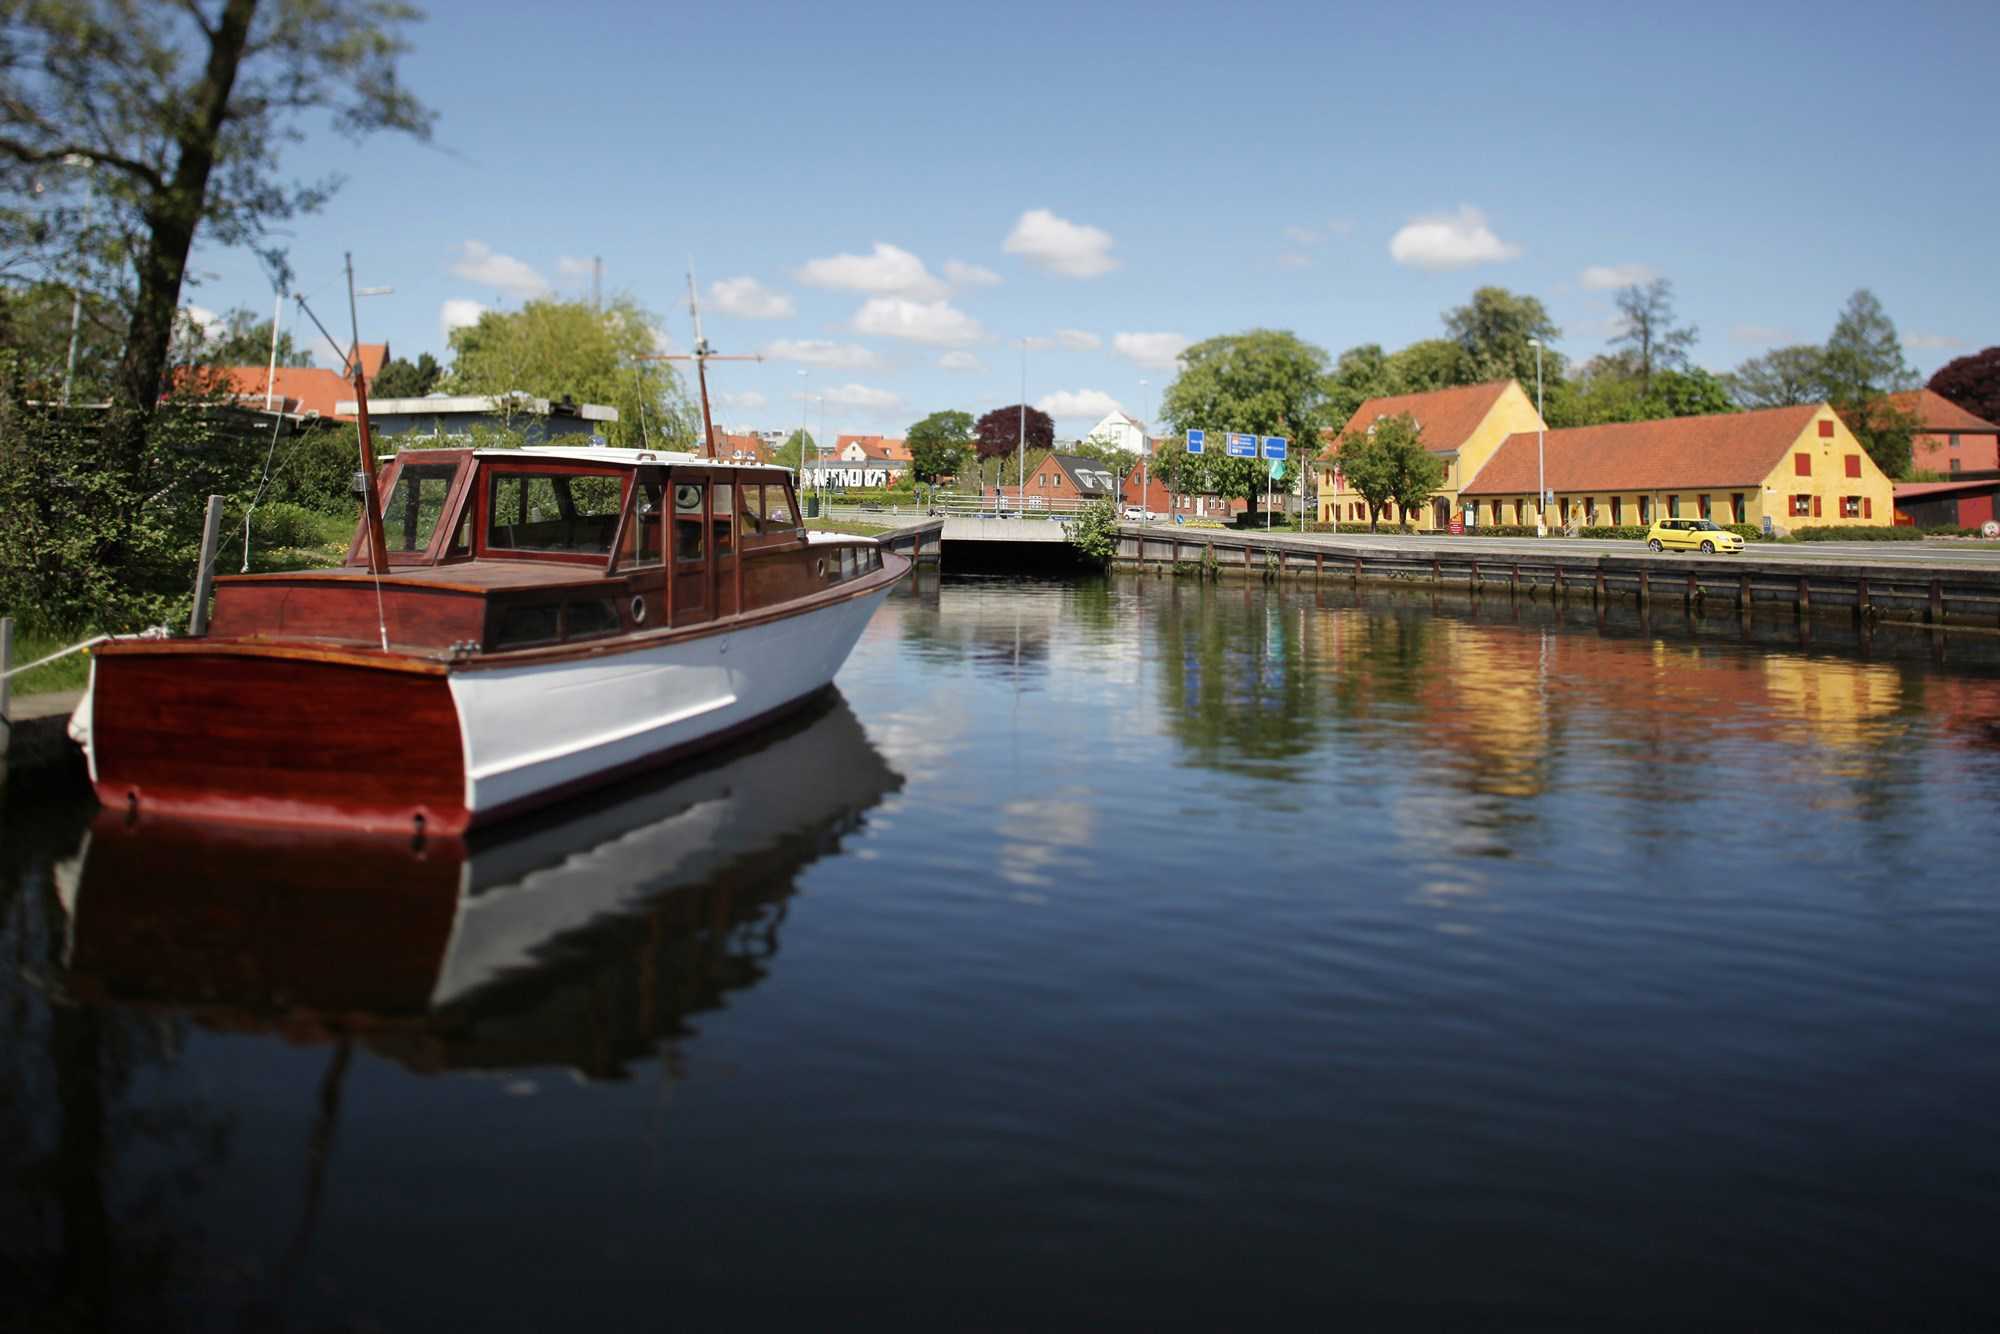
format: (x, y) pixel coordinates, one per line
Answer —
(291, 389)
(1462, 425)
(1949, 439)
(1798, 466)
(880, 449)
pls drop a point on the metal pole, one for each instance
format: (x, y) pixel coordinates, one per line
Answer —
(75, 324)
(271, 374)
(353, 317)
(204, 574)
(1541, 426)
(1021, 442)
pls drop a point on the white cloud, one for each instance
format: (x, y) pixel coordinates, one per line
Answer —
(457, 314)
(890, 271)
(862, 396)
(821, 352)
(1076, 340)
(750, 299)
(1061, 246)
(960, 274)
(960, 361)
(662, 341)
(1611, 277)
(1074, 403)
(918, 321)
(480, 263)
(1450, 241)
(200, 319)
(1161, 351)
(748, 400)
(1932, 342)
(569, 266)
(1759, 335)
(1293, 259)
(1302, 236)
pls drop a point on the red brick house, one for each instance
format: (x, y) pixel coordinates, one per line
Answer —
(1949, 439)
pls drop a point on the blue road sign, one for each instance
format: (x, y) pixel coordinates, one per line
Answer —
(1275, 446)
(1242, 446)
(1196, 441)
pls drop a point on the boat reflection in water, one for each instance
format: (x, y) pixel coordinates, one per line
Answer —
(580, 937)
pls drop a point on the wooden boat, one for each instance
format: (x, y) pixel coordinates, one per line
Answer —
(514, 625)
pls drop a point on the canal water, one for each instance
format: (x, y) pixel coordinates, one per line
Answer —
(1107, 952)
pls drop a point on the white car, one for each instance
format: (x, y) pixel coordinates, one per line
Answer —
(1138, 515)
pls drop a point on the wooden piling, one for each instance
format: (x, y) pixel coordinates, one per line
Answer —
(204, 575)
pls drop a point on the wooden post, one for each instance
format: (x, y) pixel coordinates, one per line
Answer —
(1475, 574)
(204, 573)
(1514, 579)
(1743, 593)
(1805, 597)
(1645, 586)
(1937, 601)
(1319, 565)
(1597, 592)
(1861, 607)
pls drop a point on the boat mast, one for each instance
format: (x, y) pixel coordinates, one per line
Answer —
(378, 553)
(701, 356)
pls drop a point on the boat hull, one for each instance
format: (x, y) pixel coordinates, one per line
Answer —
(257, 734)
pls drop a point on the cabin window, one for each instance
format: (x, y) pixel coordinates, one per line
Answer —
(461, 541)
(778, 516)
(642, 540)
(688, 497)
(410, 515)
(589, 618)
(724, 516)
(521, 626)
(553, 511)
(753, 512)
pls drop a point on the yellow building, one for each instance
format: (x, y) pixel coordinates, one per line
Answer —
(1462, 426)
(1799, 466)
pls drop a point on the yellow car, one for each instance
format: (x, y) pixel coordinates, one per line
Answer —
(1692, 535)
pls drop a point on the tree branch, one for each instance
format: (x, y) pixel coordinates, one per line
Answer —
(33, 157)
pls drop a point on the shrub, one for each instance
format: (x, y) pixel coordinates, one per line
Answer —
(1094, 531)
(1856, 533)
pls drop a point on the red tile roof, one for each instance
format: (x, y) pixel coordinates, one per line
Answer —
(296, 388)
(1918, 490)
(1446, 416)
(742, 447)
(1725, 449)
(878, 447)
(1936, 413)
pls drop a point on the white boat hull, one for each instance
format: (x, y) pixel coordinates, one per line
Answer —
(535, 731)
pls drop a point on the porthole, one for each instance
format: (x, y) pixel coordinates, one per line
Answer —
(819, 567)
(638, 610)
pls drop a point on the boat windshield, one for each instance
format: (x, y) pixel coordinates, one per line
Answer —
(555, 510)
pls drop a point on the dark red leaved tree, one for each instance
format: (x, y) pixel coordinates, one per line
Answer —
(1972, 382)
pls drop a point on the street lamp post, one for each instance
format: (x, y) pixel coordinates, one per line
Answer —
(1021, 440)
(1145, 456)
(1541, 426)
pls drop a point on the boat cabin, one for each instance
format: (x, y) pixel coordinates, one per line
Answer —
(501, 550)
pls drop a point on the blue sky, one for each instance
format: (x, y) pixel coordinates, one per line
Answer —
(892, 197)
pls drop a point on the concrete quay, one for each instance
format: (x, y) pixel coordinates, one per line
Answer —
(1932, 589)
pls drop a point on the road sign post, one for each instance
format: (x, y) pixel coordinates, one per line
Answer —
(1197, 441)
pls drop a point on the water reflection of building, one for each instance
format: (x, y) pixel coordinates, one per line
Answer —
(582, 938)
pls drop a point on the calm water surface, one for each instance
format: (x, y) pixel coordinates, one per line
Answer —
(1107, 952)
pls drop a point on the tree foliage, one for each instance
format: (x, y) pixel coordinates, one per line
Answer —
(938, 444)
(1386, 461)
(239, 338)
(1648, 315)
(1972, 382)
(556, 349)
(1781, 378)
(1000, 431)
(401, 378)
(1493, 329)
(130, 127)
(35, 324)
(1267, 382)
(1864, 362)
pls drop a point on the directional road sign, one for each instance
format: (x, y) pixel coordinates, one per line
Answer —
(1196, 441)
(1275, 446)
(1242, 446)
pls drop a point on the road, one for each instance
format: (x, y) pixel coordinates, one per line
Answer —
(1833, 553)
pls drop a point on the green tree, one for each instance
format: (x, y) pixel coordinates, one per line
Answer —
(1781, 378)
(1648, 315)
(1864, 363)
(938, 444)
(1267, 382)
(130, 127)
(1386, 461)
(1360, 374)
(35, 321)
(999, 434)
(555, 349)
(1691, 392)
(241, 339)
(1432, 363)
(404, 379)
(1494, 329)
(798, 450)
